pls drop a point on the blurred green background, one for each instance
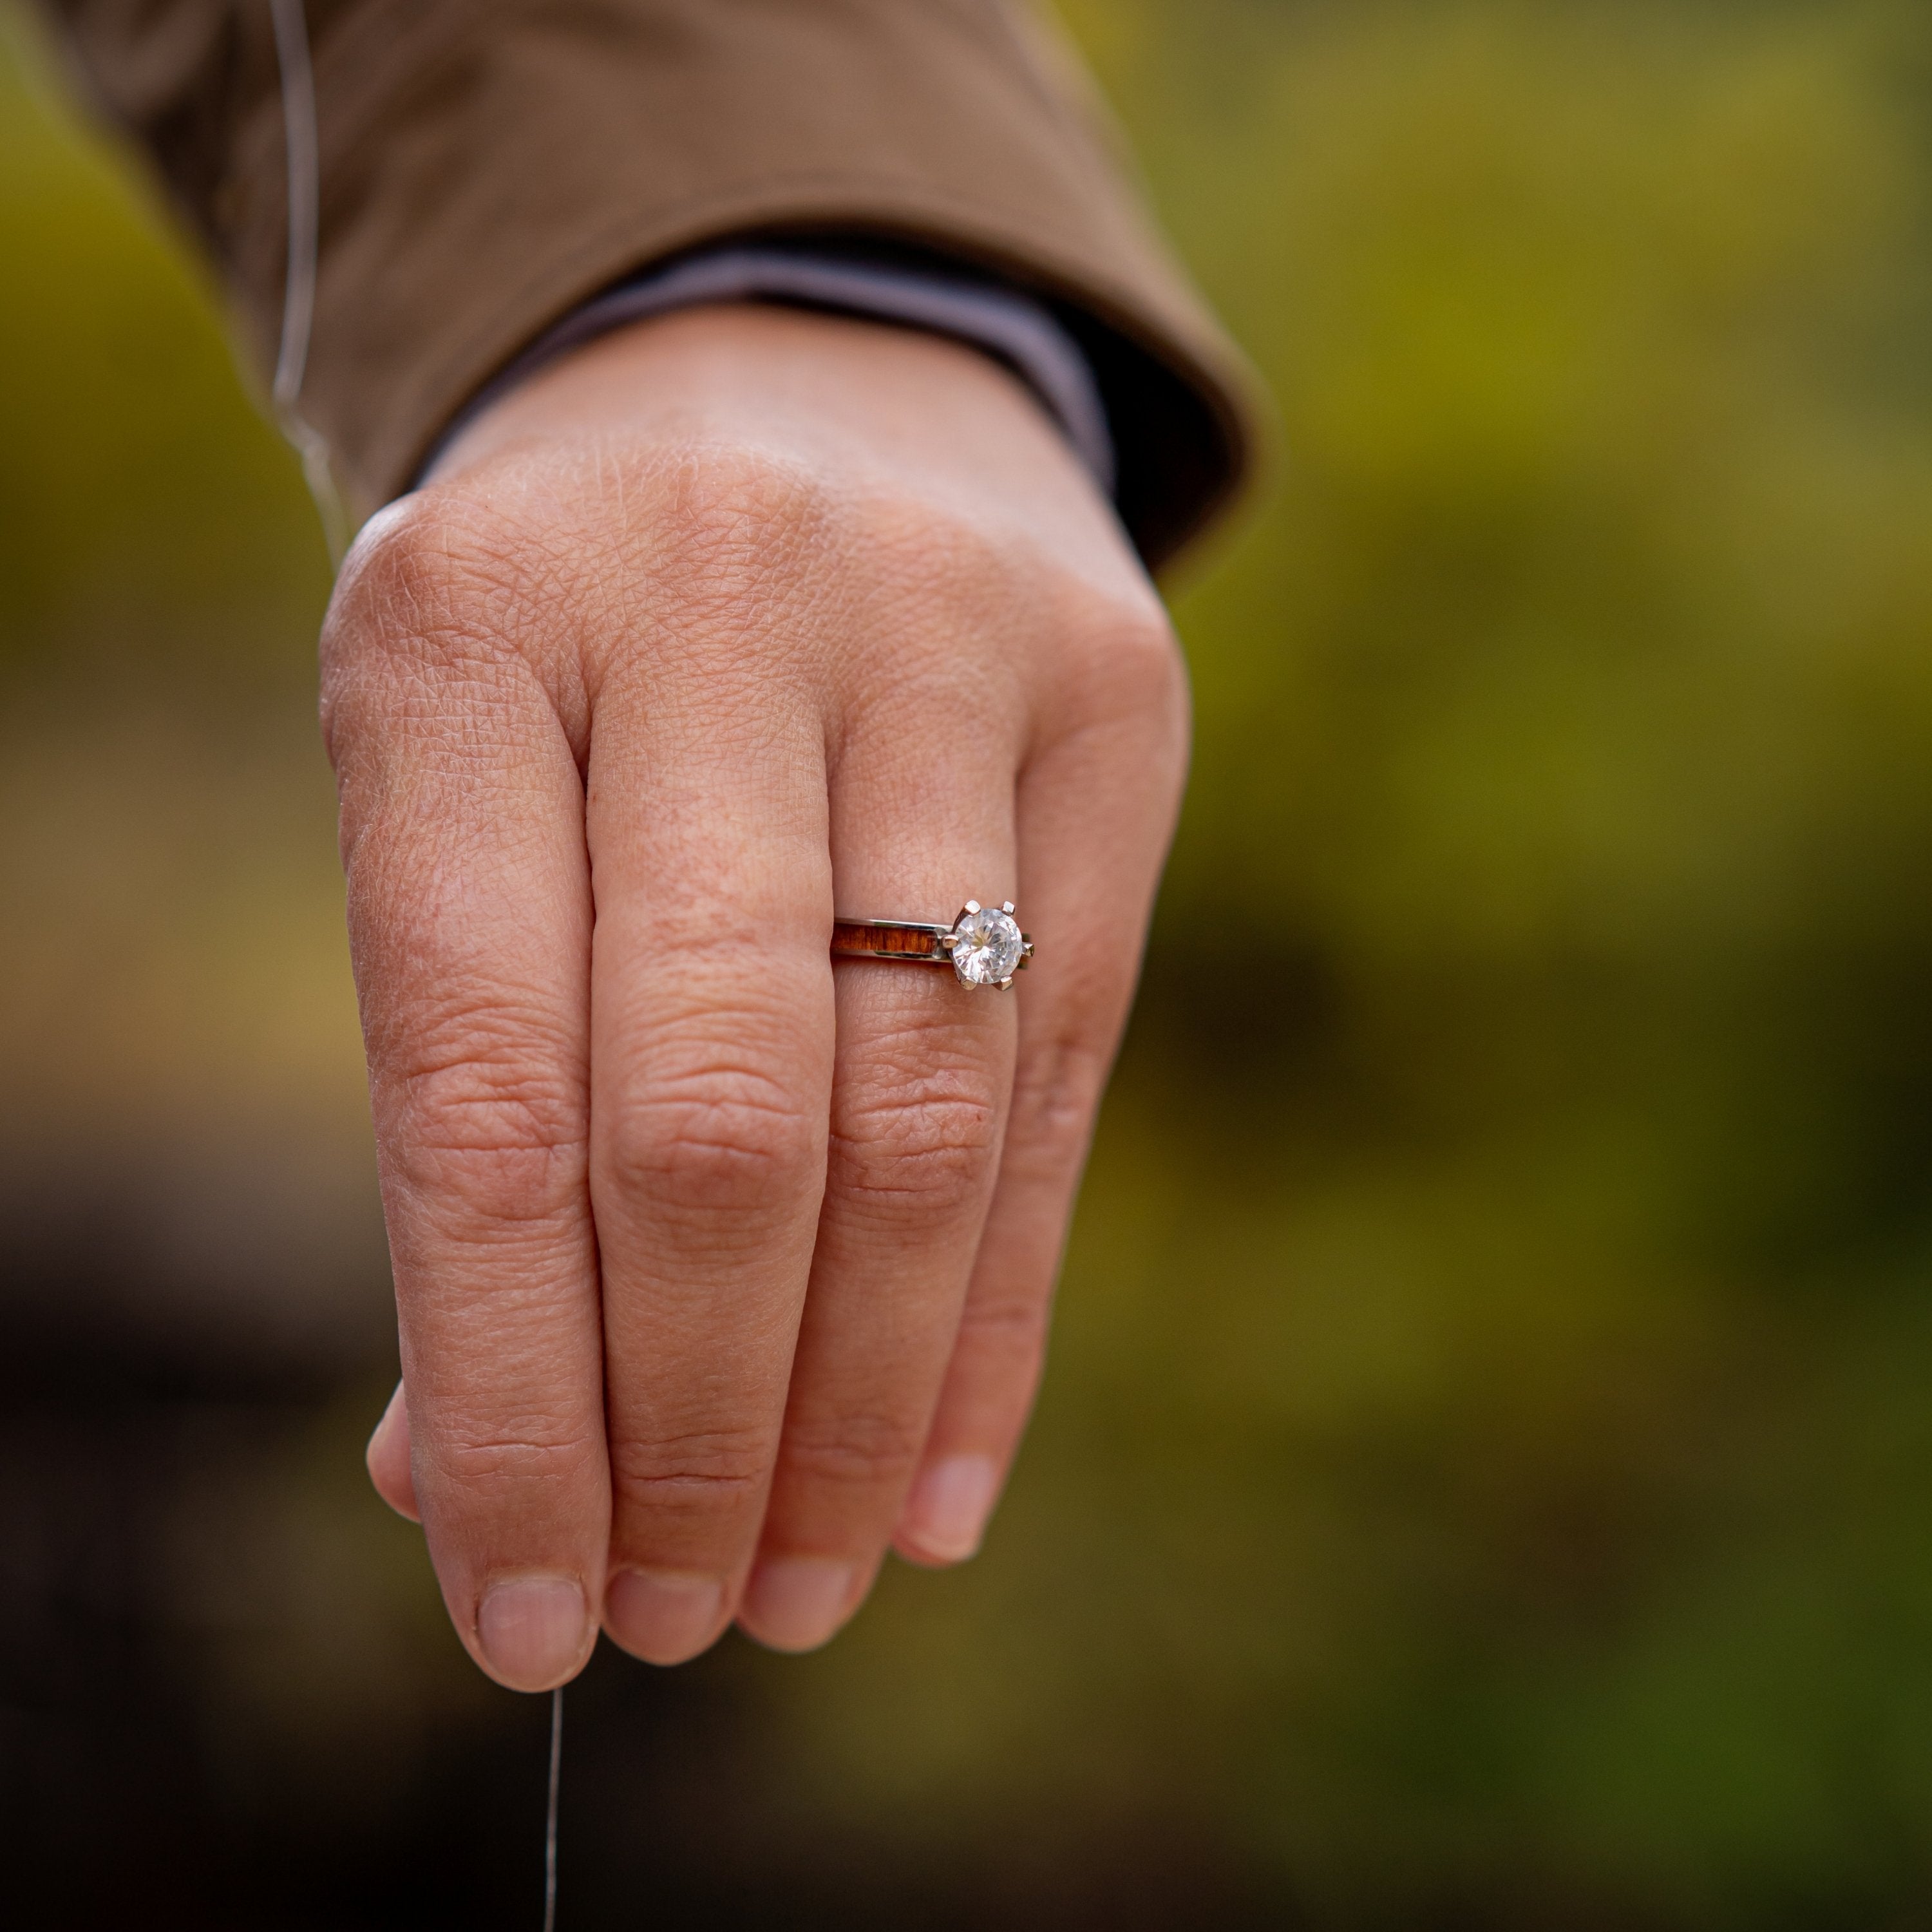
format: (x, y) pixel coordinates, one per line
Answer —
(1484, 1478)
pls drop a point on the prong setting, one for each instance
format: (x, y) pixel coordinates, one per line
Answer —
(987, 946)
(984, 947)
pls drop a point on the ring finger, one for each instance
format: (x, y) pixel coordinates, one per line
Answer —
(921, 1082)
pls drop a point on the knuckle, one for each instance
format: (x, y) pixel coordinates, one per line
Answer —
(919, 1140)
(733, 523)
(1157, 678)
(699, 1473)
(405, 575)
(1055, 1100)
(1142, 641)
(531, 1447)
(1126, 667)
(1133, 631)
(940, 555)
(726, 1138)
(529, 1458)
(1009, 1325)
(858, 1451)
(737, 493)
(439, 580)
(477, 1120)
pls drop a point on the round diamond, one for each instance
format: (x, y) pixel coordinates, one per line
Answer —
(986, 946)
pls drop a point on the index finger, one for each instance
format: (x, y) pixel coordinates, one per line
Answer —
(470, 922)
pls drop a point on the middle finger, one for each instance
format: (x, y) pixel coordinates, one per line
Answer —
(712, 1039)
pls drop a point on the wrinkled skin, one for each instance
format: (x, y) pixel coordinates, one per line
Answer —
(721, 1269)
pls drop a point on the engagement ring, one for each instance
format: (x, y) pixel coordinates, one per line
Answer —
(983, 947)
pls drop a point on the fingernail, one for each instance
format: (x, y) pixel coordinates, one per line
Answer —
(946, 1515)
(795, 1602)
(531, 1630)
(663, 1615)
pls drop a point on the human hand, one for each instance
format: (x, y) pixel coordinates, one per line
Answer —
(718, 1268)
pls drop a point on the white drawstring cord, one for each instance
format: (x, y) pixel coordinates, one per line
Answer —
(304, 176)
(550, 1828)
(303, 166)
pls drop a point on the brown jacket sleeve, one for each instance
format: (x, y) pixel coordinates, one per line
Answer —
(487, 165)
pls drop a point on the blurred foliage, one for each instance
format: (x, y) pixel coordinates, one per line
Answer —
(173, 909)
(1485, 1475)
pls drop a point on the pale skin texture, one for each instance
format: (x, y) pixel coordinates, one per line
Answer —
(721, 1270)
